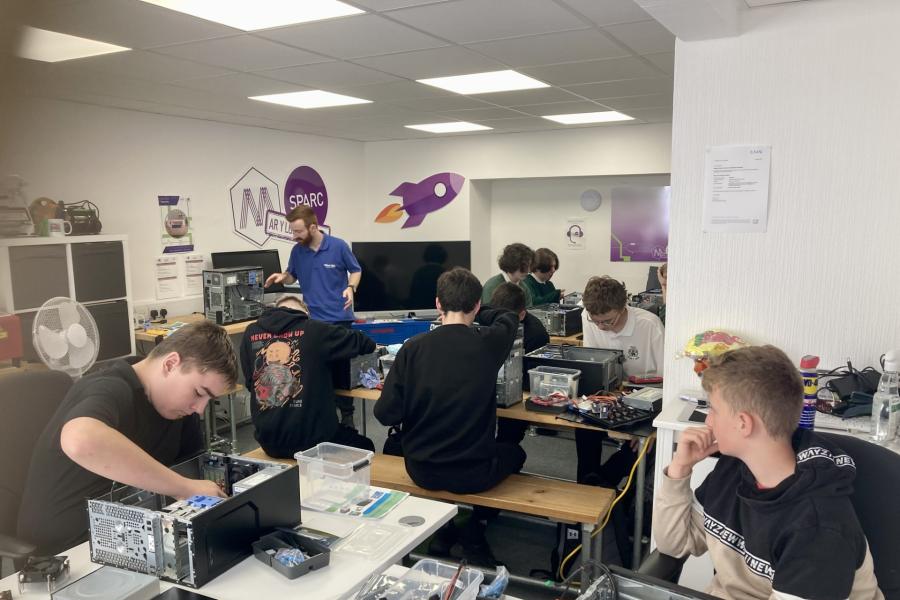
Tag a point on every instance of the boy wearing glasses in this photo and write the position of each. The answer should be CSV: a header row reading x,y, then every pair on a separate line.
x,y
609,323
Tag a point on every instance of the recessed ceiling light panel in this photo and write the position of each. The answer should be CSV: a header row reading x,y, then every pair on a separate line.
x,y
452,127
260,14
50,46
310,99
485,83
589,117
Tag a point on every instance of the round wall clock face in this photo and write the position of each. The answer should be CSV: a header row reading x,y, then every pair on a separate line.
x,y
176,223
591,200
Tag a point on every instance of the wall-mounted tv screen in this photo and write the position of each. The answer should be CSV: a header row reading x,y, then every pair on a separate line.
x,y
402,276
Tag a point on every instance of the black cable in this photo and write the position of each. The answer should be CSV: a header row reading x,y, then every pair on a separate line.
x,y
611,580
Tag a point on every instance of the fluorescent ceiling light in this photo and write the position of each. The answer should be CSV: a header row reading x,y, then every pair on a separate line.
x,y
589,117
451,127
260,14
310,99
50,46
485,83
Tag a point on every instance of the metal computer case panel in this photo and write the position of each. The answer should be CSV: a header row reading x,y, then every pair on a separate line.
x,y
560,320
140,531
233,294
601,369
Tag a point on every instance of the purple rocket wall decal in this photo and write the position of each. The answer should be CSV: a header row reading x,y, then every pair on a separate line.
x,y
421,199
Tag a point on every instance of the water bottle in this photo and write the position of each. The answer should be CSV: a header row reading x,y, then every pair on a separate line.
x,y
886,401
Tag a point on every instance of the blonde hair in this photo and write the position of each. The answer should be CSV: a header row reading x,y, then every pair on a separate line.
x,y
292,299
762,381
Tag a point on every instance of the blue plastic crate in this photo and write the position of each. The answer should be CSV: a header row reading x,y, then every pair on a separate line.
x,y
393,332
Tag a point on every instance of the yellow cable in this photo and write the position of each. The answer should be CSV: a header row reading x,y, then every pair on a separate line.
x,y
637,460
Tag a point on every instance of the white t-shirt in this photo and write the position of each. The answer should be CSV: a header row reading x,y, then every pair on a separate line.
x,y
641,340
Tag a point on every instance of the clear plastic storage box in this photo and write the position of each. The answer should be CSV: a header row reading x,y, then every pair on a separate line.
x,y
544,380
428,578
331,473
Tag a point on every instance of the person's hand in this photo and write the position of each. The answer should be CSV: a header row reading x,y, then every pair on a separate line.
x,y
348,297
275,278
562,293
202,487
694,445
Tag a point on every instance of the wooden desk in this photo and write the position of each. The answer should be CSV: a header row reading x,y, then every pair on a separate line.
x,y
572,340
231,328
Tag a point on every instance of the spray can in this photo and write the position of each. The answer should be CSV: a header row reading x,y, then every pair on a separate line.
x,y
810,377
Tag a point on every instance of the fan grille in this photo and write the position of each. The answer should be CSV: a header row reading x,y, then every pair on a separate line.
x,y
65,336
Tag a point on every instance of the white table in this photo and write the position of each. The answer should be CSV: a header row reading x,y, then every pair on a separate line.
x,y
252,579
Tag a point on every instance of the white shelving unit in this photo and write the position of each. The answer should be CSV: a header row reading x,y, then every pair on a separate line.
x,y
90,269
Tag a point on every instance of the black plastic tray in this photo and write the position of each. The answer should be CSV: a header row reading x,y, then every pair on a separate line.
x,y
319,554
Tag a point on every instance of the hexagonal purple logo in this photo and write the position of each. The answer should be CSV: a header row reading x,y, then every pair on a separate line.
x,y
252,196
305,186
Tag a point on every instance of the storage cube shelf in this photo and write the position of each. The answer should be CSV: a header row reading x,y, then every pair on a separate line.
x,y
90,269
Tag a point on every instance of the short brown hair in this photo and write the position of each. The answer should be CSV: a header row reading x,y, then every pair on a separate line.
x,y
458,290
304,212
544,260
292,298
516,257
762,381
509,296
203,346
603,294
663,270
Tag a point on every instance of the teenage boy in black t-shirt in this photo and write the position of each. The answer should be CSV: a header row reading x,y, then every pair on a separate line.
x,y
441,391
125,424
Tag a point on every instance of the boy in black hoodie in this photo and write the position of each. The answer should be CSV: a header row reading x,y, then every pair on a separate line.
x,y
441,390
285,357
775,513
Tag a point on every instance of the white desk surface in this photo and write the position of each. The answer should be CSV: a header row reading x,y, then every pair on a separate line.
x,y
252,579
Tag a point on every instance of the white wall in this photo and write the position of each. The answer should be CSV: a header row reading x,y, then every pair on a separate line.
x,y
611,150
122,160
535,212
817,81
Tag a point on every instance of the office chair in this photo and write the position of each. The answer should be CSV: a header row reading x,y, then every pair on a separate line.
x,y
877,482
27,401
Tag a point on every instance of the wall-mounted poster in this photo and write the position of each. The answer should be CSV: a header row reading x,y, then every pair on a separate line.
x,y
575,234
252,198
175,218
640,224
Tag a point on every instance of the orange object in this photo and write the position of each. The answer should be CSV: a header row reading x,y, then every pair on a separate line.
x,y
10,338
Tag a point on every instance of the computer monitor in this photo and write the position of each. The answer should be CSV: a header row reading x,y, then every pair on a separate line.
x,y
267,259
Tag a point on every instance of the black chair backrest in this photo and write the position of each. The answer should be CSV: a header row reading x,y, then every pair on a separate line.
x,y
27,401
876,489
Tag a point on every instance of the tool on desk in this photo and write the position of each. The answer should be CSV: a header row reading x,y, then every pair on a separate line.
x,y
452,587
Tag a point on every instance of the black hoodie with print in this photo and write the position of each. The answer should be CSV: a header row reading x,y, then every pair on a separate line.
x,y
286,359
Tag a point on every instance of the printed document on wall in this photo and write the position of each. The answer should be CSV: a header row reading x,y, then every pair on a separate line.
x,y
736,189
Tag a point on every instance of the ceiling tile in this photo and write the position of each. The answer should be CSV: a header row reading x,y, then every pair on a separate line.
x,y
240,84
437,62
630,102
456,102
561,108
469,21
477,114
624,87
140,64
607,12
394,90
551,48
382,5
664,60
353,37
242,53
129,23
644,37
520,124
652,115
592,71
328,74
522,97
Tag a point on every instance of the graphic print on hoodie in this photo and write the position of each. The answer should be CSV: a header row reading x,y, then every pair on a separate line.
x,y
276,373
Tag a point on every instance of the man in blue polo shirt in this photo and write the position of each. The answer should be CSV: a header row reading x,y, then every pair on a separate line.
x,y
328,274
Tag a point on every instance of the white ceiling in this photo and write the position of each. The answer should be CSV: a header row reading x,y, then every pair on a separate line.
x,y
596,54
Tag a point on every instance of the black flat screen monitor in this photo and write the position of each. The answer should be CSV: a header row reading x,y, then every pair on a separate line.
x,y
267,259
402,276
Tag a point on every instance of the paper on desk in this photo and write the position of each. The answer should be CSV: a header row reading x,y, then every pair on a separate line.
x,y
736,189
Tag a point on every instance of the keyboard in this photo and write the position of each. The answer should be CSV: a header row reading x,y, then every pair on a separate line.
x,y
618,416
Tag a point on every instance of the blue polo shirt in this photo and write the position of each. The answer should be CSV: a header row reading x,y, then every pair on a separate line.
x,y
323,277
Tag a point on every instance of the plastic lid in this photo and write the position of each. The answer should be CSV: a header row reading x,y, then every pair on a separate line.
x,y
892,361
809,362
